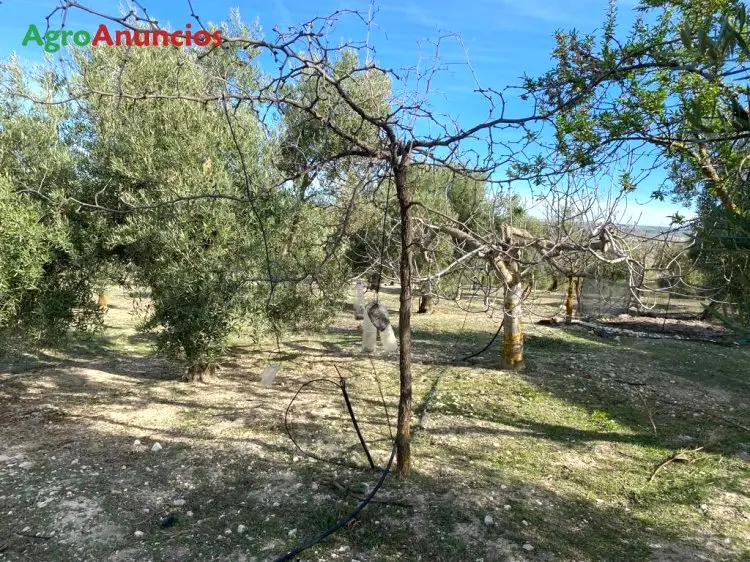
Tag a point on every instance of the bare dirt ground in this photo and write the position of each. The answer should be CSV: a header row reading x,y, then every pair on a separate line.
x,y
686,327
104,455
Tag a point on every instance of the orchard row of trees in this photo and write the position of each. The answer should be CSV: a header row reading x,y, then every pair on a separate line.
x,y
229,222
104,190
244,184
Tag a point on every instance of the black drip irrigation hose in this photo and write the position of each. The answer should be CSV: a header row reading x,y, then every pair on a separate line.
x,y
312,541
344,520
294,441
486,347
354,420
289,555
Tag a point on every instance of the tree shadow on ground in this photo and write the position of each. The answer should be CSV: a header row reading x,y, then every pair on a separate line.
x,y
613,370
99,351
248,476
89,491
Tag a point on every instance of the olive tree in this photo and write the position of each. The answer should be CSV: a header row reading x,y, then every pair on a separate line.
x,y
48,258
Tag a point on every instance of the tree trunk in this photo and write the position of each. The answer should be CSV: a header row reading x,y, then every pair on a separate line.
x,y
635,290
403,431
199,372
569,302
425,304
713,180
709,311
512,357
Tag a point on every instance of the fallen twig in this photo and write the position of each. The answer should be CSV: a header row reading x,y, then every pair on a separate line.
x,y
648,411
677,456
32,536
345,490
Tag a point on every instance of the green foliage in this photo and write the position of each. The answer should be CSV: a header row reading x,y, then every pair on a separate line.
x,y
602,420
181,198
662,93
443,194
221,250
321,132
722,251
25,247
668,95
46,266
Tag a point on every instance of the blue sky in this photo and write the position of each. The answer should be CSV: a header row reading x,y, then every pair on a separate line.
x,y
503,38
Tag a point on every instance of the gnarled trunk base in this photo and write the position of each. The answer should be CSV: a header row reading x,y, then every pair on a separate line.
x,y
512,358
200,372
426,305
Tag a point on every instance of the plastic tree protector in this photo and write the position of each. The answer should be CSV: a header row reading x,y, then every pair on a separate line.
x,y
369,335
269,374
388,338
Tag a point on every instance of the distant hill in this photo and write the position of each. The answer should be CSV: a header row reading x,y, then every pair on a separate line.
x,y
681,233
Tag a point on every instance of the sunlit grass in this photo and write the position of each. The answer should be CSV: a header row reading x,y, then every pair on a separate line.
x,y
560,456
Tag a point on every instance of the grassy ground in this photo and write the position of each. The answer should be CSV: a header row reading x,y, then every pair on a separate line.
x,y
555,463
